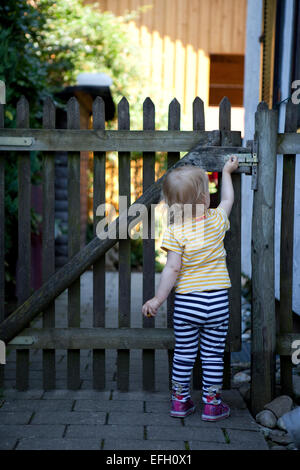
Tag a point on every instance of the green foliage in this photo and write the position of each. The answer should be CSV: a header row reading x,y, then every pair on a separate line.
x,y
44,46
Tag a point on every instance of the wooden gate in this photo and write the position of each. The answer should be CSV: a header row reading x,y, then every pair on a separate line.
x,y
208,149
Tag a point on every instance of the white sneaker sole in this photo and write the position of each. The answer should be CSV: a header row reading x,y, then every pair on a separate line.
x,y
215,418
182,414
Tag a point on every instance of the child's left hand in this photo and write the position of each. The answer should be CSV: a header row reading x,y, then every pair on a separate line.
x,y
150,307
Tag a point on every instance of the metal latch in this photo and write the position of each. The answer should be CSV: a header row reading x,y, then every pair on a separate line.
x,y
16,141
248,159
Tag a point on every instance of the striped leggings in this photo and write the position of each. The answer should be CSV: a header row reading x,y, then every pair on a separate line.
x,y
204,314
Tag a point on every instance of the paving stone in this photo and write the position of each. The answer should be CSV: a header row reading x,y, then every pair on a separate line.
x,y
105,431
37,405
251,439
232,422
7,443
139,395
128,444
28,394
157,406
77,394
206,434
15,417
69,417
233,398
200,445
108,405
143,418
19,431
59,444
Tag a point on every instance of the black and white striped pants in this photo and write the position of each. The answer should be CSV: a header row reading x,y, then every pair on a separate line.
x,y
204,315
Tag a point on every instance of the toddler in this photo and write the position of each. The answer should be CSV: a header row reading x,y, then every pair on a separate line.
x,y
196,267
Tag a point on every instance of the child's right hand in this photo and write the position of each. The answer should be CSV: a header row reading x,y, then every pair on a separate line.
x,y
150,308
231,164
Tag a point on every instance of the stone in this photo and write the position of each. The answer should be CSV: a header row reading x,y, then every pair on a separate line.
x,y
284,439
241,377
244,390
280,424
280,405
266,418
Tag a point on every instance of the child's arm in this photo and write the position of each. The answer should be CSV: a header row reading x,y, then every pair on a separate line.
x,y
167,281
227,193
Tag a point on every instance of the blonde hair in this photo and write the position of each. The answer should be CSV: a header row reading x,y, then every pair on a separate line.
x,y
185,185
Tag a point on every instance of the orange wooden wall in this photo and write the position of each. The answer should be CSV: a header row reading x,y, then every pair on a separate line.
x,y
177,37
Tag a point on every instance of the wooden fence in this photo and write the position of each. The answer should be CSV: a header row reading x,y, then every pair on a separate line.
x,y
208,149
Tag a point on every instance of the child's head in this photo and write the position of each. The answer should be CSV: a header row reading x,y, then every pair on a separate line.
x,y
186,185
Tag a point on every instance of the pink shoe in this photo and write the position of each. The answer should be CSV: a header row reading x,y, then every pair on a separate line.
x,y
213,412
181,409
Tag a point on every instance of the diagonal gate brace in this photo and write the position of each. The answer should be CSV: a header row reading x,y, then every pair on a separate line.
x,y
209,158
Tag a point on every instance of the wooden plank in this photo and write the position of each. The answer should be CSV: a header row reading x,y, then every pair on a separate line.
x,y
172,159
98,338
198,124
24,240
262,257
148,249
286,250
288,143
87,256
73,356
2,239
94,338
99,265
232,244
103,141
123,357
48,242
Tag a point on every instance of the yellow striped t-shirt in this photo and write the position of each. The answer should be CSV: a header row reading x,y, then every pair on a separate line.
x,y
200,242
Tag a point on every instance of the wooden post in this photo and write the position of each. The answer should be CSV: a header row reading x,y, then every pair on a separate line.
x,y
198,125
232,244
99,265
262,257
123,356
148,249
73,242
172,158
286,250
24,239
48,242
2,245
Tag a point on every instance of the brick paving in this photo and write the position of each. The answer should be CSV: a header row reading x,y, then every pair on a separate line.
x,y
86,419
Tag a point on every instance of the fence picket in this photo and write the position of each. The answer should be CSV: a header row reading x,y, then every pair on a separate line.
x,y
232,244
99,266
172,158
148,248
24,239
48,242
2,238
286,250
124,252
198,125
73,356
